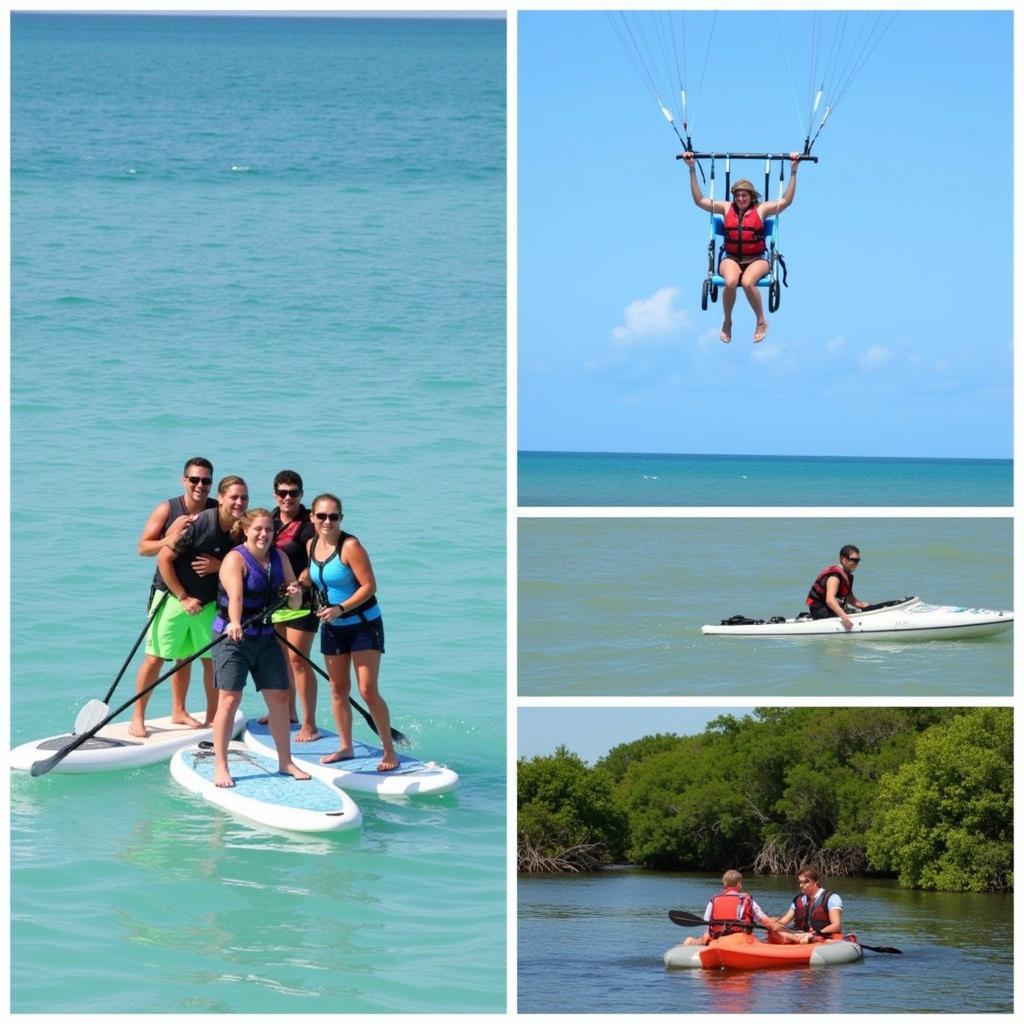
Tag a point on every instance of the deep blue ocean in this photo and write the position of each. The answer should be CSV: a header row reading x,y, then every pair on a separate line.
x,y
635,479
274,242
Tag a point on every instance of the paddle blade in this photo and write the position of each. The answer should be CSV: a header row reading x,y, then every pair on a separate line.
x,y
90,716
685,919
42,767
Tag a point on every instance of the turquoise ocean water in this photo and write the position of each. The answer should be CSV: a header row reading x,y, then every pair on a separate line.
x,y
605,478
614,607
273,242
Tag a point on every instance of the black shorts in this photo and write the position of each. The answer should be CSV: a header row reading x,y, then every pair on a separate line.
x,y
821,611
360,636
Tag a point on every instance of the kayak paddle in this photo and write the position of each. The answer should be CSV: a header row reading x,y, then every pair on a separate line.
x,y
96,710
688,920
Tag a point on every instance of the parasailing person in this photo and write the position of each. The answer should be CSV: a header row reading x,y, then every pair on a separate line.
x,y
744,255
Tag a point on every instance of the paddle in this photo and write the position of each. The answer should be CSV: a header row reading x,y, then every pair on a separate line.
x,y
399,737
96,710
688,920
42,767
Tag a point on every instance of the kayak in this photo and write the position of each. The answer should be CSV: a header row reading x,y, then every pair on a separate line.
x,y
908,618
263,795
113,748
741,951
410,778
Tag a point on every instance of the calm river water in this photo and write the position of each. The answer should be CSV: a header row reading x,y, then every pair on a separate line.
x,y
594,944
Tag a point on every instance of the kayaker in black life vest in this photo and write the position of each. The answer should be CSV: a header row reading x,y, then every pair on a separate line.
x,y
744,261
831,592
815,912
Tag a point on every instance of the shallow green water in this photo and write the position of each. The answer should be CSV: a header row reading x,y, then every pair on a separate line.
x,y
615,606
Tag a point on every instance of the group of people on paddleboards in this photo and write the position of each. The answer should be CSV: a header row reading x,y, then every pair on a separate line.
x,y
239,586
814,913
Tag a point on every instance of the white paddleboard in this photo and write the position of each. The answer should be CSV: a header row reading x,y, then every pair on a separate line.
x,y
113,748
410,778
907,619
264,796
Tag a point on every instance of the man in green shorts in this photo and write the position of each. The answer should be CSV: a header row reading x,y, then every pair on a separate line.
x,y
184,623
164,527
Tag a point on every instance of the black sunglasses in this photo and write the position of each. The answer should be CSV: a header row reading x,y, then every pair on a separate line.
x,y
288,492
330,516
200,480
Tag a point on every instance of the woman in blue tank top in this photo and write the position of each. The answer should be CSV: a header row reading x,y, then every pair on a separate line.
x,y
253,576
352,636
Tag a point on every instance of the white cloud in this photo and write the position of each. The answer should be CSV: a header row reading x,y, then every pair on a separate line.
x,y
765,353
875,357
652,318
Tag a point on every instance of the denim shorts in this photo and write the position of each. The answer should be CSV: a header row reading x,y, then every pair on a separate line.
x,y
360,636
259,656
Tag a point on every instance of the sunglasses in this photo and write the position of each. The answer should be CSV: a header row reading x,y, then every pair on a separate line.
x,y
205,480
332,517
288,492
850,558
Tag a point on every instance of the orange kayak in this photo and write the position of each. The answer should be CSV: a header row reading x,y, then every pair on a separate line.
x,y
747,952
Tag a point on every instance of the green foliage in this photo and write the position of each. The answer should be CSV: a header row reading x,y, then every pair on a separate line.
x,y
923,793
945,819
618,759
563,803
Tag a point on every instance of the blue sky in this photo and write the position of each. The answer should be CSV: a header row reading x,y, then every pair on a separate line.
x,y
592,732
894,336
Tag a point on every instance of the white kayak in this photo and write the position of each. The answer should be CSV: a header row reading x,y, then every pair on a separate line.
x,y
908,618
113,748
410,778
263,795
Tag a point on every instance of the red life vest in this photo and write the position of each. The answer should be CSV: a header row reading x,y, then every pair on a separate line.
x,y
744,235
731,905
817,591
818,917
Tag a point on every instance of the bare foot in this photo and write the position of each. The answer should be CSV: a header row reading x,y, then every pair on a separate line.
x,y
295,772
344,754
725,334
388,763
136,727
222,778
184,718
306,734
762,330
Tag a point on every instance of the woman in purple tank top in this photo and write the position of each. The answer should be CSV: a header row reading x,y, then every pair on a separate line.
x,y
253,576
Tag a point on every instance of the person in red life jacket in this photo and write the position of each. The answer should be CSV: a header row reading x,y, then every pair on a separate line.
x,y
744,261
815,912
293,530
831,592
731,910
